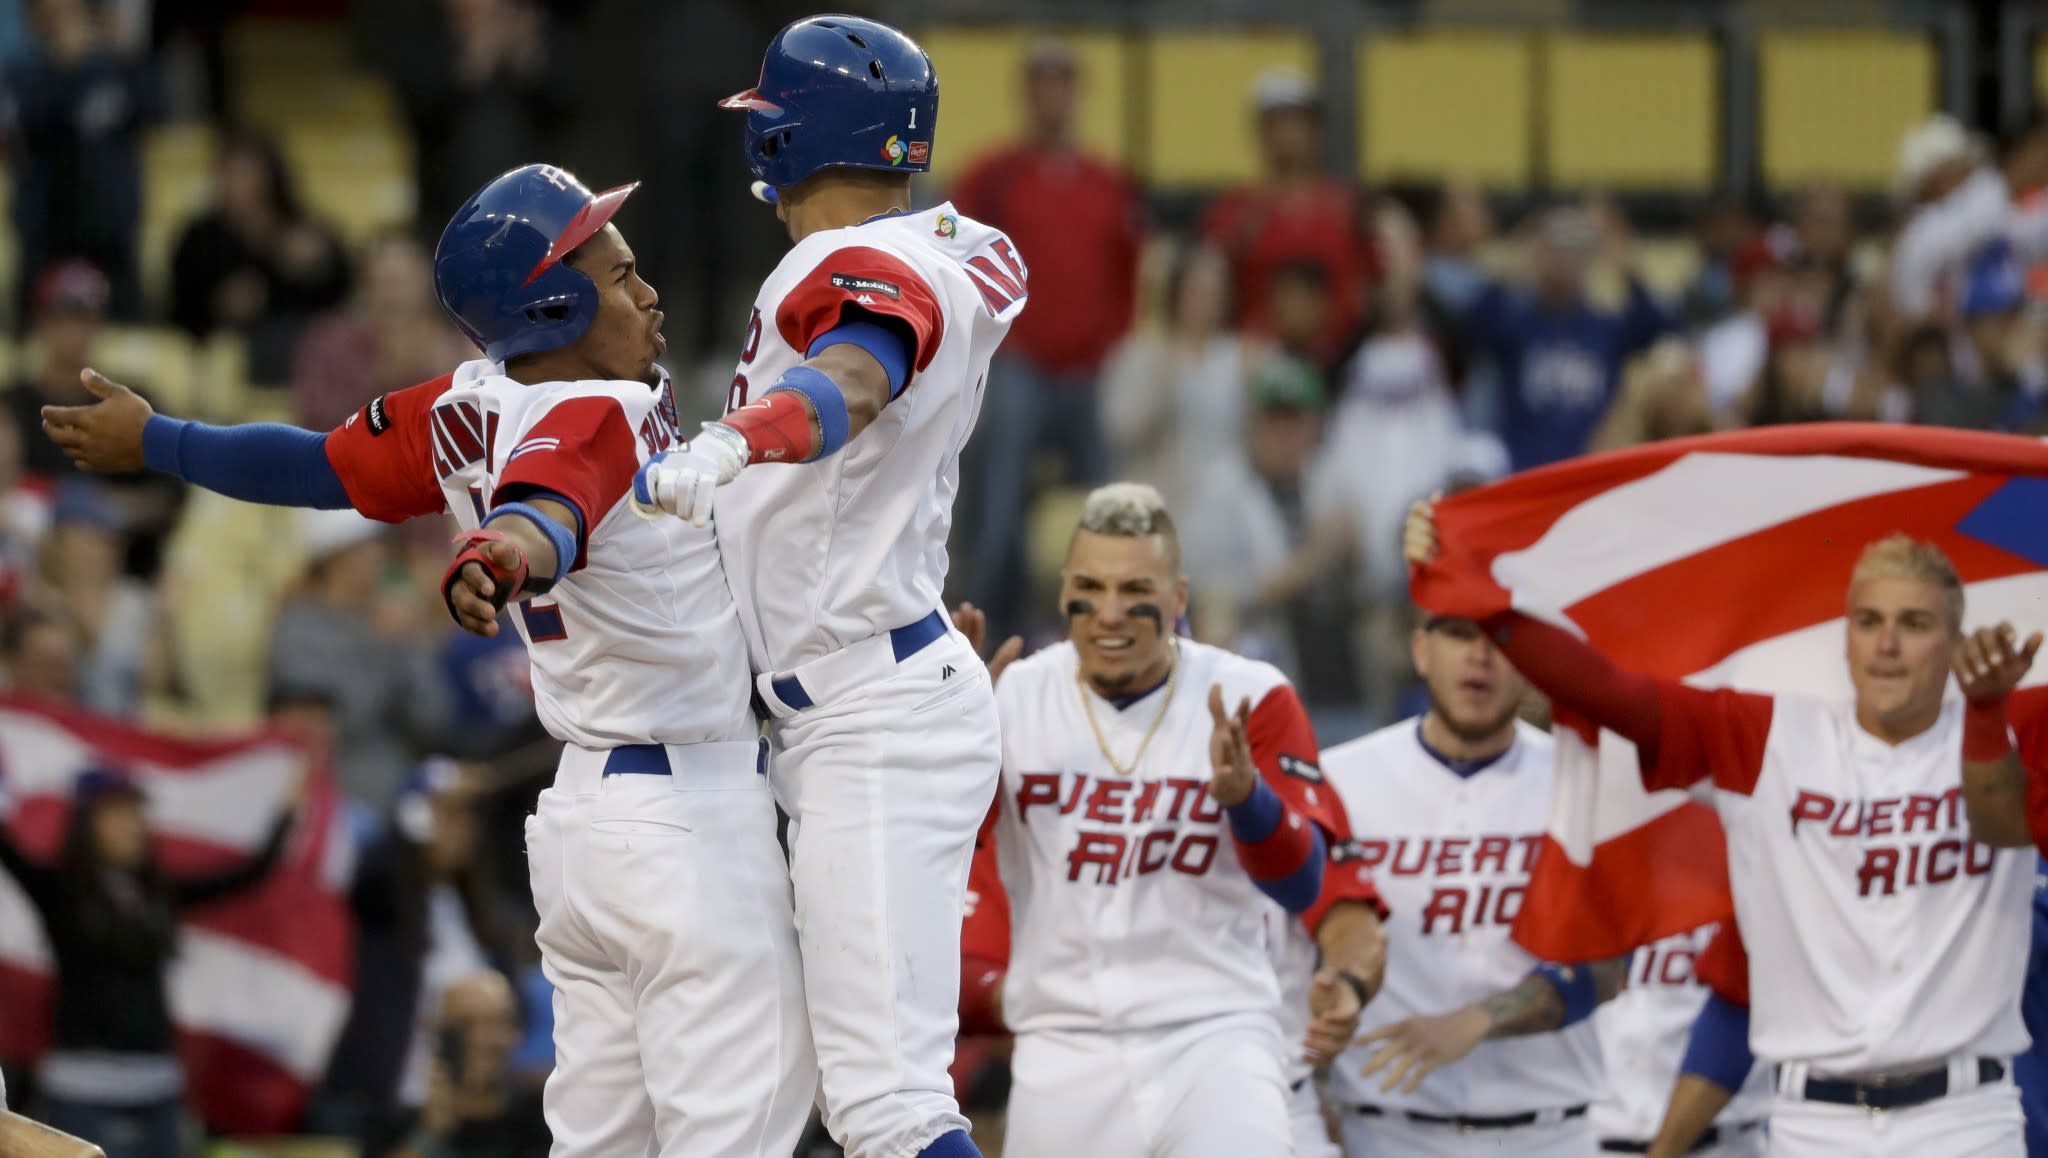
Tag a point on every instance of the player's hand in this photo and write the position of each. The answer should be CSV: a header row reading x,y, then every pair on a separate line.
x,y
974,625
474,598
1334,1010
1991,661
1418,535
105,435
1231,774
1411,1050
678,483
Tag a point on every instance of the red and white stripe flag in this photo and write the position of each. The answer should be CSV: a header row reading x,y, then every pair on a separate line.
x,y
260,985
1723,561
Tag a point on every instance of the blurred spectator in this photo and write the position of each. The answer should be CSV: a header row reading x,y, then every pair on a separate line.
x,y
1719,234
1295,214
41,652
118,618
424,921
340,635
1173,398
474,1107
1257,585
1823,224
1077,221
1794,387
203,25
1559,356
255,263
1733,349
2004,346
70,299
393,335
490,89
1460,225
24,519
1662,396
1960,206
111,916
73,114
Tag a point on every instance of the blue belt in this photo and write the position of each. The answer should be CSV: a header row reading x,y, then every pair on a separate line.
x,y
642,759
904,641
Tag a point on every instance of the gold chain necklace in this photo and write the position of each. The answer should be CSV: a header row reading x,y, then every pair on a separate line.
x,y
1088,709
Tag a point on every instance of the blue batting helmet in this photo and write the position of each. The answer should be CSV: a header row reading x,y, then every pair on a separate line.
x,y
839,91
498,269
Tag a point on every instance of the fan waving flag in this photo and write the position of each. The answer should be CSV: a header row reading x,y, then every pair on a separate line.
x,y
260,984
1722,561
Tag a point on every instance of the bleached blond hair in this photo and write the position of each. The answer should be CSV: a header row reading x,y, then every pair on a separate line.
x,y
1131,510
1900,556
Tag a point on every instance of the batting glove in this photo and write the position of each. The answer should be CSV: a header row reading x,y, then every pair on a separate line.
x,y
681,482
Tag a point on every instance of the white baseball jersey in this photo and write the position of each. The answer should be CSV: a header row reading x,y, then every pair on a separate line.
x,y
832,552
640,642
1128,904
1880,936
1452,856
1643,1033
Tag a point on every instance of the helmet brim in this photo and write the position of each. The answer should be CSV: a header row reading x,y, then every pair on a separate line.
x,y
581,228
750,101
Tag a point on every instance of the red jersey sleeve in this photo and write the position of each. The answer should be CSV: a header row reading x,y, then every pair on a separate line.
x,y
582,449
1285,753
384,455
1702,734
868,280
2027,713
1723,966
1345,876
984,937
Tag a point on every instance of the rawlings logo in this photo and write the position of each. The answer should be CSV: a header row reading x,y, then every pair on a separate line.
x,y
870,285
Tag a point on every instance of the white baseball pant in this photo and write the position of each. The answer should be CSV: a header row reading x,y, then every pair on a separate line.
x,y
1208,1089
1311,1129
886,776
1746,1140
1980,1122
666,930
1395,1135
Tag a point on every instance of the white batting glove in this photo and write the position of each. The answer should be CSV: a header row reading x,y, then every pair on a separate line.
x,y
681,482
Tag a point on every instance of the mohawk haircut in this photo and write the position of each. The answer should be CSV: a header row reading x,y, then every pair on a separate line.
x,y
1130,510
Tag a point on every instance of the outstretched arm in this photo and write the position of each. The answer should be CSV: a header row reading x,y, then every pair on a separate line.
x,y
1550,998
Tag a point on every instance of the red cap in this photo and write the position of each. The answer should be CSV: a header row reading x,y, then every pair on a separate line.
x,y
71,287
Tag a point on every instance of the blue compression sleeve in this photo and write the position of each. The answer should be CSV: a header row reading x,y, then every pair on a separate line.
x,y
1575,984
261,462
886,343
1718,1049
563,539
1256,820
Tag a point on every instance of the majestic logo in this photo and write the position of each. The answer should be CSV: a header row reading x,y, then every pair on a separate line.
x,y
946,672
949,226
895,150
867,285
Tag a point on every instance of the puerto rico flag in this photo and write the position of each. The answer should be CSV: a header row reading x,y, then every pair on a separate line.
x,y
261,982
1723,561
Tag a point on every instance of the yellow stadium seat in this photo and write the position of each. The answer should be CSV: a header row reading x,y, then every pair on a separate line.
x,y
981,72
1198,102
1446,103
1835,102
177,176
154,358
1630,111
2041,70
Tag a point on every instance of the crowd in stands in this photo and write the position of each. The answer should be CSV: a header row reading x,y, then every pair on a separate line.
x,y
1291,373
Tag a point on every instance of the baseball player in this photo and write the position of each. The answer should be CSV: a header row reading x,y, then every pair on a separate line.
x,y
1887,946
860,376
665,918
1159,799
1643,1037
1449,812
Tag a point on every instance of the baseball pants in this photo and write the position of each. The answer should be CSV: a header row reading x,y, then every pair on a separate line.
x,y
1208,1089
1984,1122
1311,1129
666,930
1394,1135
1746,1140
886,775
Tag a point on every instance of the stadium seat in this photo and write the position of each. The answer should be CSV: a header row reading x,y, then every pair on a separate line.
x,y
1629,111
1835,102
982,70
177,174
1445,103
1198,102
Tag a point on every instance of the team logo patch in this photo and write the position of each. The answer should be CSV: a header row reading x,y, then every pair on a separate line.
x,y
920,152
1301,769
949,226
895,150
374,414
867,285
